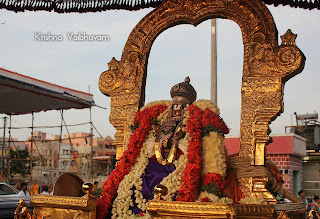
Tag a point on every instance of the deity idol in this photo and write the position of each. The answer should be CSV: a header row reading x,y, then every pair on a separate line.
x,y
178,144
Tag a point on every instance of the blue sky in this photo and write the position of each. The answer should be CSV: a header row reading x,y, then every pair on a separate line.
x,y
178,52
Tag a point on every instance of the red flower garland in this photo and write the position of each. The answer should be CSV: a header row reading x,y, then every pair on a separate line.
x,y
214,178
129,157
191,175
206,199
198,119
214,120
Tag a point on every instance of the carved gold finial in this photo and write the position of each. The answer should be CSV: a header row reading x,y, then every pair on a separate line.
x,y
22,211
113,64
283,215
160,190
288,38
87,188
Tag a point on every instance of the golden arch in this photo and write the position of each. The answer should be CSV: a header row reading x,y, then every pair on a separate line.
x,y
266,68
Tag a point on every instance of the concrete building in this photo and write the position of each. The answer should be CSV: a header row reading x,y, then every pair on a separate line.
x,y
308,126
105,160
77,152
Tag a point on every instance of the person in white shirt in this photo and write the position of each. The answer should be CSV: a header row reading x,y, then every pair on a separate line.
x,y
24,192
45,191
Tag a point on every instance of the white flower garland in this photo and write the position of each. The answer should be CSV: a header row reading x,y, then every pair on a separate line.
x,y
158,102
213,154
173,180
122,203
214,198
207,104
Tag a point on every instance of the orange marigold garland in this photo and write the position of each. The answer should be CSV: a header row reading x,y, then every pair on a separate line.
x,y
143,119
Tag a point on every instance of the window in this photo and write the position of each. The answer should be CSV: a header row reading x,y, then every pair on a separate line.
x,y
6,190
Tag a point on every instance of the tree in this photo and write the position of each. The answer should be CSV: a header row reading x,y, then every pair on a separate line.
x,y
19,163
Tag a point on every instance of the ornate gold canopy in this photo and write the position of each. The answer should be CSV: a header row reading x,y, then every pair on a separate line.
x,y
266,68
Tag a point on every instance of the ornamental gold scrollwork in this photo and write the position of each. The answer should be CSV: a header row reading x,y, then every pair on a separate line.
x,y
128,75
47,206
165,209
266,68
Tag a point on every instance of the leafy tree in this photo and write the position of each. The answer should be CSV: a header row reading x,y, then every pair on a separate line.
x,y
19,163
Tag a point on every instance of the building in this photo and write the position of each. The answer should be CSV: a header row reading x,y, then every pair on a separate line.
x,y
79,153
286,151
308,126
105,160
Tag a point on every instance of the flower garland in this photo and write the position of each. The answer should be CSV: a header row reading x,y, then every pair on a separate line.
x,y
213,155
123,201
191,175
201,119
207,197
203,122
173,180
207,104
144,119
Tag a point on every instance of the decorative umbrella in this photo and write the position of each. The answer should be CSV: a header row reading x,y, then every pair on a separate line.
x,y
83,6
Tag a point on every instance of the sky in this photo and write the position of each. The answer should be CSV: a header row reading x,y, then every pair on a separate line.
x,y
178,52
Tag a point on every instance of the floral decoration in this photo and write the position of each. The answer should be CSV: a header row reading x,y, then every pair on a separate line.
x,y
192,169
208,197
129,157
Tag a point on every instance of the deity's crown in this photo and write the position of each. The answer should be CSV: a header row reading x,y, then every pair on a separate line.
x,y
184,89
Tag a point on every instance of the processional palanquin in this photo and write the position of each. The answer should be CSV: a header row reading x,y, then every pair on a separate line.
x,y
267,66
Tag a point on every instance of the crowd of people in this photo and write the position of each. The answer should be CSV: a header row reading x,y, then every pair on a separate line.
x,y
26,190
313,207
47,189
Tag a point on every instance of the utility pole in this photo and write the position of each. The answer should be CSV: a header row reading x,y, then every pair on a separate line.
x,y
59,147
214,89
9,153
31,147
3,141
91,145
91,141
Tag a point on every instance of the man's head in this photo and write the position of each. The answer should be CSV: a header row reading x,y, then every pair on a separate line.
x,y
96,183
45,188
24,186
35,181
302,193
316,199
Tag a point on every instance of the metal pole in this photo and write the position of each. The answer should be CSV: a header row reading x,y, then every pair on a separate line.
x,y
3,141
60,139
31,147
91,143
9,176
214,61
